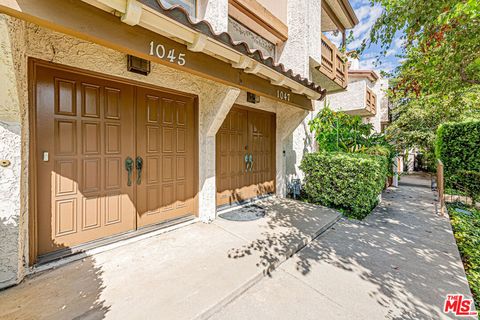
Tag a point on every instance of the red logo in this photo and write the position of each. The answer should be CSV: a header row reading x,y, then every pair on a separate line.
x,y
459,305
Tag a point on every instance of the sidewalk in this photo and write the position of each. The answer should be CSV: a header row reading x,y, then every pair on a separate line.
x,y
188,273
399,263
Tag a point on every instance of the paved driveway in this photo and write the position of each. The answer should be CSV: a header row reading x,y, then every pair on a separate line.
x,y
186,273
397,264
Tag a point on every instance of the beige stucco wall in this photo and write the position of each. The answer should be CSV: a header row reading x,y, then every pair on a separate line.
x,y
13,146
215,12
351,99
304,43
20,40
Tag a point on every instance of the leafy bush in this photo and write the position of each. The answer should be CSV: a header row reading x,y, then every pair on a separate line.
x,y
466,228
350,182
458,146
469,182
338,131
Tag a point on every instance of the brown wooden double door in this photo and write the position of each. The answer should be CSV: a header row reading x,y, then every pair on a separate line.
x,y
111,157
245,156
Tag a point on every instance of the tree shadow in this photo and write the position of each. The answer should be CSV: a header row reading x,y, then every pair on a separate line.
x,y
73,291
403,249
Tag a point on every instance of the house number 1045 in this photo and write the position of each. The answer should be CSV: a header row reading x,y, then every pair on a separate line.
x,y
161,52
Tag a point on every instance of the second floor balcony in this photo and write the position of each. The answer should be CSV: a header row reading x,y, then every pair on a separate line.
x,y
334,66
358,100
371,102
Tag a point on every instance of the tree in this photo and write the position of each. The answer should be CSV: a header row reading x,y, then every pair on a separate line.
x,y
439,77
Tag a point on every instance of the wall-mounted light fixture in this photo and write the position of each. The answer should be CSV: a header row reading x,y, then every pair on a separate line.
x,y
138,65
253,98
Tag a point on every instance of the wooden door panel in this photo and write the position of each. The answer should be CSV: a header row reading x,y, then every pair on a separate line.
x,y
166,142
84,124
245,131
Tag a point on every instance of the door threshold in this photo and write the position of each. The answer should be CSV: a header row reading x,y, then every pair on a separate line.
x,y
64,256
239,204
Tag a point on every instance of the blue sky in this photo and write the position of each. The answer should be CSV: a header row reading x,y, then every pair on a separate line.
x,y
367,15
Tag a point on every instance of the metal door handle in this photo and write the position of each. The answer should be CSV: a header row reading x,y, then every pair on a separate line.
x,y
246,162
250,159
129,168
139,166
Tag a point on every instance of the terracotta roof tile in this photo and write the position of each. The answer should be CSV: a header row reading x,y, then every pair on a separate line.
x,y
180,15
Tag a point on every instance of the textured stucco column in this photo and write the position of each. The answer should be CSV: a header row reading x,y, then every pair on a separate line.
x,y
304,42
289,146
304,36
210,121
12,204
215,12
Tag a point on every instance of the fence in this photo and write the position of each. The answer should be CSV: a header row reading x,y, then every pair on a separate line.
x,y
443,198
441,187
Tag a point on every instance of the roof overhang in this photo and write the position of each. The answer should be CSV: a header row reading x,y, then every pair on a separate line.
x,y
364,74
216,57
338,15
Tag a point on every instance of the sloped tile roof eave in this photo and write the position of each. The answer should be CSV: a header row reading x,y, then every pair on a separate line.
x,y
180,15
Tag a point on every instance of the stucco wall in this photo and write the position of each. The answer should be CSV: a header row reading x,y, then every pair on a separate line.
x,y
351,99
304,42
13,195
18,38
215,12
304,36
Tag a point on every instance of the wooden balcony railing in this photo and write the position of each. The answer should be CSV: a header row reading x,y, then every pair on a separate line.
x,y
371,102
334,65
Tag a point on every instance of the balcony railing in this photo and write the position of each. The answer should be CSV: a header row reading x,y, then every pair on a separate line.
x,y
371,102
334,65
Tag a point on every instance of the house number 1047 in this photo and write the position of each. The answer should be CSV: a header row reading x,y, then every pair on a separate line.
x,y
282,95
161,52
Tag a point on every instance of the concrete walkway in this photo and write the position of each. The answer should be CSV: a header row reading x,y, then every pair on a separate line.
x,y
397,264
191,272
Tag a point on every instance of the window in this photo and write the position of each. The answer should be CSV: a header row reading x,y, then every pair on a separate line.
x,y
189,5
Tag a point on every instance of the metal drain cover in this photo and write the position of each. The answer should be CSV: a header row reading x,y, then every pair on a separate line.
x,y
248,213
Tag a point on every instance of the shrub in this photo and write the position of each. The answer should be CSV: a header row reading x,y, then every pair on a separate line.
x,y
466,228
338,131
467,181
458,146
350,182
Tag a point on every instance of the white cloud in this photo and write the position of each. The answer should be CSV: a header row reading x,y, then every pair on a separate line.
x,y
367,16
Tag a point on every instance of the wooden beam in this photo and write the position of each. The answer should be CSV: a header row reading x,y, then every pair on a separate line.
x,y
86,22
252,10
329,11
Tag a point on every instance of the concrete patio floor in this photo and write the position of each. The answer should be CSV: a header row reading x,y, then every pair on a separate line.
x,y
191,272
399,263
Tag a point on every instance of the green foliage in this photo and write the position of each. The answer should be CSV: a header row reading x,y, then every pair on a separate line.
x,y
439,77
458,146
466,228
350,182
338,131
469,182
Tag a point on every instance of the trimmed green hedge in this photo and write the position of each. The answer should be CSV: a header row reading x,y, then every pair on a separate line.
x,y
466,228
350,182
458,146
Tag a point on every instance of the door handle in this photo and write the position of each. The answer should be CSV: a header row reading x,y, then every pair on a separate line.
x,y
246,162
129,168
250,159
139,167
